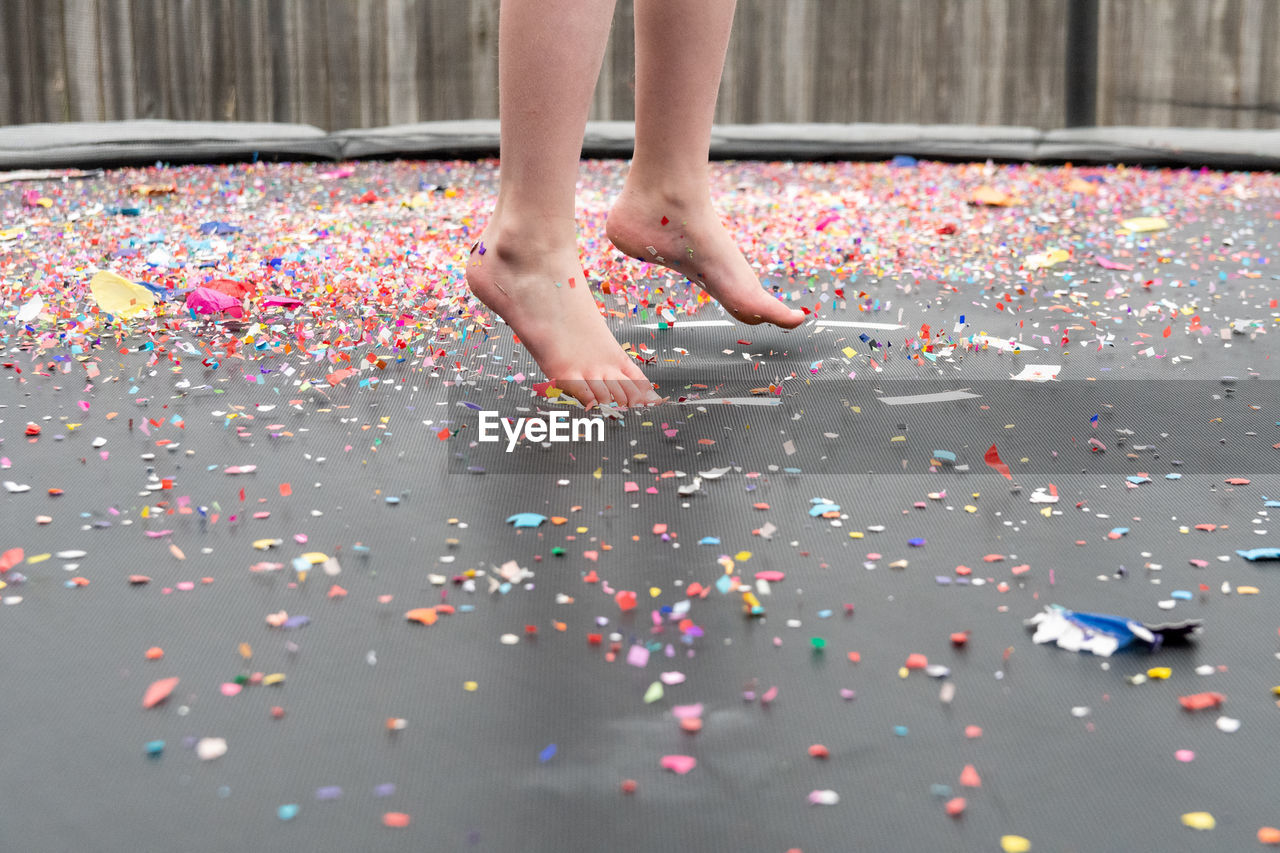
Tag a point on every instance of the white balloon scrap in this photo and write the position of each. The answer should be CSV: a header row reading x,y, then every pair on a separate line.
x,y
210,748
824,797
1052,626
31,310
1230,725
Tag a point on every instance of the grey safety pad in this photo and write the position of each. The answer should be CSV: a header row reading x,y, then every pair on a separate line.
x,y
116,143
134,142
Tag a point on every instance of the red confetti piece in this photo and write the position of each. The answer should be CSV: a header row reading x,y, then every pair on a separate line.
x,y
992,458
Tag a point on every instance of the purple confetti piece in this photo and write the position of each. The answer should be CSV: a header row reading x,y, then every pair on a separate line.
x,y
331,792
384,790
297,621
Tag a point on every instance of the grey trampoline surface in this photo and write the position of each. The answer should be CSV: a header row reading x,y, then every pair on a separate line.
x,y
835,477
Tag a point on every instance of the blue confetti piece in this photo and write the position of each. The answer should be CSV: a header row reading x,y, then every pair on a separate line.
x,y
944,456
1181,595
1136,480
526,519
1261,554
288,812
724,583
547,754
155,747
818,509
1173,476
824,614
900,731
1120,531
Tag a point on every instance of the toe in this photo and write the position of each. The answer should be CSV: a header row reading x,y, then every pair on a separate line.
x,y
603,394
579,390
622,390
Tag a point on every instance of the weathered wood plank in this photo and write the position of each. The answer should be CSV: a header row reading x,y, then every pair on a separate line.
x,y
402,61
115,59
359,63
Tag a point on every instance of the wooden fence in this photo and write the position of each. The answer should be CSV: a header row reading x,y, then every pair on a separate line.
x,y
363,63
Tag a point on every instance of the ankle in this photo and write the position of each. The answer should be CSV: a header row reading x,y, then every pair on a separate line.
x,y
674,192
516,230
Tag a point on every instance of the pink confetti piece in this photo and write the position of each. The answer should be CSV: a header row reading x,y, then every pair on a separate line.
x,y
679,764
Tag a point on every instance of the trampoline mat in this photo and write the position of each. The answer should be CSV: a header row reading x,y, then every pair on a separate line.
x,y
295,484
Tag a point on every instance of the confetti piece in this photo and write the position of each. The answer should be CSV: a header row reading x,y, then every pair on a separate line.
x,y
678,764
158,692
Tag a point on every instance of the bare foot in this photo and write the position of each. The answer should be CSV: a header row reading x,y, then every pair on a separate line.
x,y
543,295
686,235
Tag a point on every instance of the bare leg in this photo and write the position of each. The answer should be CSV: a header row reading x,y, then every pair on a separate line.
x,y
525,267
664,214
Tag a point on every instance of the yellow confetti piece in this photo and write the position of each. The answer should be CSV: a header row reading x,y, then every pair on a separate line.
x,y
856,534
315,558
903,672
1044,260
850,352
146,512
1159,672
470,686
264,544
970,508
598,473
1014,844
38,558
750,599
1140,224
1199,820
1047,511
898,438
1247,590
654,592
273,678
117,295
742,556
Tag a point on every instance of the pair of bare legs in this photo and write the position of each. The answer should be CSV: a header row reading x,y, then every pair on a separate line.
x,y
525,267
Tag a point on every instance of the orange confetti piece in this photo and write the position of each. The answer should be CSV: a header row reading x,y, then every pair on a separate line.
x,y
285,490
336,591
396,820
10,559
155,653
176,551
425,615
969,777
992,197
158,692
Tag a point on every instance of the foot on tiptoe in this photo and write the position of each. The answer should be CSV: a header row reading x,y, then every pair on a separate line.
x,y
683,233
541,292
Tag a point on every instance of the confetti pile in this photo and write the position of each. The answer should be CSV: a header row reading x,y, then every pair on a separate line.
x,y
975,559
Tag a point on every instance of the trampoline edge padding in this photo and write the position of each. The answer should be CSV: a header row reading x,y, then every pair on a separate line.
x,y
105,144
